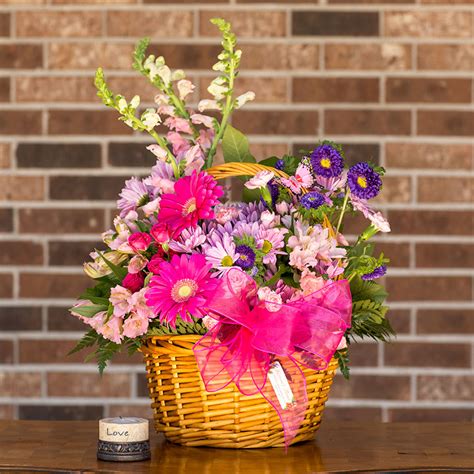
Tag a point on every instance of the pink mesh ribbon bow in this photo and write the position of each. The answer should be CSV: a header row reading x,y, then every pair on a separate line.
x,y
251,338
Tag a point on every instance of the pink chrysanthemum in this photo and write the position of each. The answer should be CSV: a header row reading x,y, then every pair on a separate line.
x,y
193,199
181,288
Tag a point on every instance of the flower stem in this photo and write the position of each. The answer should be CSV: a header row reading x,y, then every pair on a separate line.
x,y
343,210
225,116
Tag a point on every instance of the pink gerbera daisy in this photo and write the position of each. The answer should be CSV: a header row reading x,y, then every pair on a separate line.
x,y
181,288
193,199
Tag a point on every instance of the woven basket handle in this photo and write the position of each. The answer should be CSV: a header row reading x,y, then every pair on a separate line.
x,y
229,170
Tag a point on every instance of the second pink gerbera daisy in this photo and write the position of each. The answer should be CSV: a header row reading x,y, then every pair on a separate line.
x,y
181,288
193,199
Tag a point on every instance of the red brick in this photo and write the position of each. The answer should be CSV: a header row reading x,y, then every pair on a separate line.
x,y
363,355
399,254
426,354
447,387
423,24
384,387
21,188
429,90
6,220
20,318
94,2
432,255
352,414
445,321
428,155
6,351
20,384
437,415
367,122
86,122
21,56
445,189
5,160
424,288
4,24
55,89
7,412
60,412
246,23
61,221
399,320
172,24
86,187
58,155
6,285
269,122
71,252
21,253
367,56
396,189
58,23
53,285
20,122
49,351
431,222
449,57
334,89
335,23
89,55
445,122
65,384
4,89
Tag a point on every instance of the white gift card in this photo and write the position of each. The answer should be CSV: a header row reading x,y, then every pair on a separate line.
x,y
280,385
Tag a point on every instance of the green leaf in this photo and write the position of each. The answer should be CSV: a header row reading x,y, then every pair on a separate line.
x,y
119,272
88,340
89,311
182,327
269,161
250,195
368,320
367,290
235,146
342,358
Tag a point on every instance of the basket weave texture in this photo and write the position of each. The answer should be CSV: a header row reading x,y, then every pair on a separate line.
x,y
189,415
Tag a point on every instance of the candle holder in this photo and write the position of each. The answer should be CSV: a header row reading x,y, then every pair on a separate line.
x,y
123,439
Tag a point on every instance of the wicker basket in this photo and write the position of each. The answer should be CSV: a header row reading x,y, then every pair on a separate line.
x,y
189,415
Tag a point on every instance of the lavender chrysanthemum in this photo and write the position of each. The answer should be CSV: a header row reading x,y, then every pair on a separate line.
x,y
246,257
377,273
132,196
364,182
326,161
312,200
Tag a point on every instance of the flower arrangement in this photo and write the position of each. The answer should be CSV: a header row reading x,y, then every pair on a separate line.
x,y
181,257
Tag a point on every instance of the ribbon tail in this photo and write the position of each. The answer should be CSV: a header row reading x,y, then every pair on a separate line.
x,y
290,405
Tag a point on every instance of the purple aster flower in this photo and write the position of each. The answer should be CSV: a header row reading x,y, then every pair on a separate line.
x,y
326,161
312,200
377,273
133,195
280,165
364,182
246,257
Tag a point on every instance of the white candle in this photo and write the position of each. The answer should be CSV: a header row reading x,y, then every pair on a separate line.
x,y
123,430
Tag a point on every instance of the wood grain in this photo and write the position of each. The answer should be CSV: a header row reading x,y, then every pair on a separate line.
x,y
57,446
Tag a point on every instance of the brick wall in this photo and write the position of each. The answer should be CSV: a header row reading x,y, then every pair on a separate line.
x,y
391,79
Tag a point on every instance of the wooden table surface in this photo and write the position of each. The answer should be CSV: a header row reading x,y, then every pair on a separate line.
x,y
60,446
